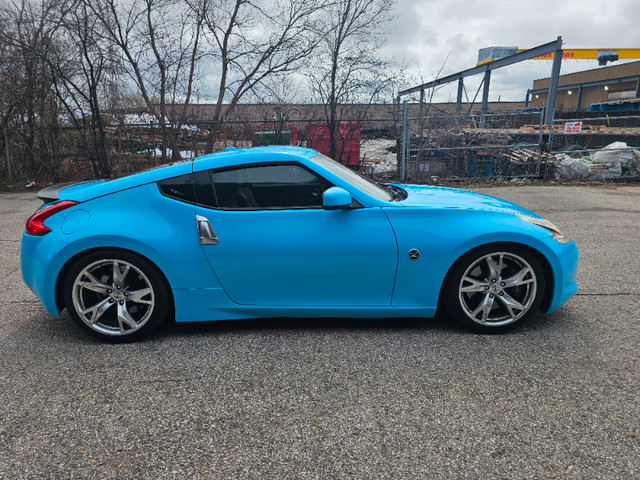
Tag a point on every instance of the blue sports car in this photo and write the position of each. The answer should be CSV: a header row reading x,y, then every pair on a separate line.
x,y
286,232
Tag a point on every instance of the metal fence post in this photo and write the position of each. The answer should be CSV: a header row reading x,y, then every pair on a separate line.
x,y
550,117
459,101
420,114
405,143
540,138
485,99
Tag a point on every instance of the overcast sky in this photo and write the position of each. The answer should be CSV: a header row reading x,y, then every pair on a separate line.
x,y
427,31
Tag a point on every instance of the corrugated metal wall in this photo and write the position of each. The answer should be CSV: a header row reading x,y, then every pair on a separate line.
x,y
595,75
597,94
569,101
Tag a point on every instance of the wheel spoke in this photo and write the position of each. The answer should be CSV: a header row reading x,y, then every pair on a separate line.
x,y
513,306
119,275
94,284
484,308
138,296
474,285
519,278
495,268
96,311
124,317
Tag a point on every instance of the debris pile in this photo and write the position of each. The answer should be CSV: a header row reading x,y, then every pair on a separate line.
x,y
613,161
378,156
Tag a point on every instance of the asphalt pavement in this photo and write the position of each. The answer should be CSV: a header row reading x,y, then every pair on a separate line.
x,y
338,399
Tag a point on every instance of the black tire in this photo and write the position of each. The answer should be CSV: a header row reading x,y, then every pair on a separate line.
x,y
494,288
116,295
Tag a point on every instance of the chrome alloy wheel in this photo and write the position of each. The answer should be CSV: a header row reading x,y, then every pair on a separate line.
x,y
113,297
497,289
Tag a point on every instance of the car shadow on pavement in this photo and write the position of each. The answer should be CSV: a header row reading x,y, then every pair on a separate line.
x,y
441,324
170,328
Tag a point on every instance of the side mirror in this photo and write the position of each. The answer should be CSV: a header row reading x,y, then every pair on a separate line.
x,y
335,198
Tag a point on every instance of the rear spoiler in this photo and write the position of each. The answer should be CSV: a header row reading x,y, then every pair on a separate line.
x,y
52,193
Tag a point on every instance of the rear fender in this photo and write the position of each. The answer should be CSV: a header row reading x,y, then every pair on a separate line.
x,y
145,222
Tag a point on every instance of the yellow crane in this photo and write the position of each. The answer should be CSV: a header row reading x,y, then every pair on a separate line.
x,y
603,55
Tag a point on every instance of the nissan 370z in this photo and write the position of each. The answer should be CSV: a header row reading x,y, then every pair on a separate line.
x,y
287,232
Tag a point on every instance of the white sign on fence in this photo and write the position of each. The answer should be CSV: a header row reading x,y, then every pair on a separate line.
x,y
573,127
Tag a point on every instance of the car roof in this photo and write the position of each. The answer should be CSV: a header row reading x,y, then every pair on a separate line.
x,y
229,157
240,156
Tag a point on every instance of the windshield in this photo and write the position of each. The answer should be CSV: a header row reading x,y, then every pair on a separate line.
x,y
354,178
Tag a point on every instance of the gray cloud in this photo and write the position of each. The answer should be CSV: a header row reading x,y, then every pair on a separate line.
x,y
426,31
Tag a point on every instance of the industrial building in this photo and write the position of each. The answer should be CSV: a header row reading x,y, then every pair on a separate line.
x,y
613,88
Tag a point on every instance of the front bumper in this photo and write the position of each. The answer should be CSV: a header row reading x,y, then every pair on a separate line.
x,y
564,264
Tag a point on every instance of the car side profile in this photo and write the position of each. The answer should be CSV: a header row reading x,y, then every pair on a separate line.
x,y
286,232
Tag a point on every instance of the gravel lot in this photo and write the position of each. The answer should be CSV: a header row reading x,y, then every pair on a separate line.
x,y
279,399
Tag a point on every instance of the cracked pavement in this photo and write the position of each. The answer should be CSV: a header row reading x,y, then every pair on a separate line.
x,y
338,398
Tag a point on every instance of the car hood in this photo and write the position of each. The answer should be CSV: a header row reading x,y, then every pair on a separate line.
x,y
443,197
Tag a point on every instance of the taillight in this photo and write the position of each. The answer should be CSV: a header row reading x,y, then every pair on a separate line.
x,y
35,224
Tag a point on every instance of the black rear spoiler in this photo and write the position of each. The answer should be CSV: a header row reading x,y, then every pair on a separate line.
x,y
52,193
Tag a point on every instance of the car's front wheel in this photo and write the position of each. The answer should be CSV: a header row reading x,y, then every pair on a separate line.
x,y
116,295
495,288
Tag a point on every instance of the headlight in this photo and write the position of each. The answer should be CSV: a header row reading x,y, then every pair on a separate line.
x,y
558,234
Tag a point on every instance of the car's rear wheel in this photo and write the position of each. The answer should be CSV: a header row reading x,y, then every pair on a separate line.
x,y
116,295
495,288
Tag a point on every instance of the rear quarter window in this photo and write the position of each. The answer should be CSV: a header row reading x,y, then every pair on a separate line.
x,y
179,188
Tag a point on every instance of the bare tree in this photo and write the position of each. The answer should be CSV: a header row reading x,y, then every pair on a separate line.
x,y
29,38
66,56
250,42
159,43
9,91
348,66
83,71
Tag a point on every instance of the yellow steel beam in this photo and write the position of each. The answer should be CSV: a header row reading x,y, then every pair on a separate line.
x,y
488,60
584,54
592,53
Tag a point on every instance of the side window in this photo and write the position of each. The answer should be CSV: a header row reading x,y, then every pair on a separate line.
x,y
281,186
179,188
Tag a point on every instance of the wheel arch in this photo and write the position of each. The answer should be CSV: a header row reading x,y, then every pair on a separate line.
x,y
64,271
544,262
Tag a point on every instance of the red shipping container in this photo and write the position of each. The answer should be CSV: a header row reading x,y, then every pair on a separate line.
x,y
348,143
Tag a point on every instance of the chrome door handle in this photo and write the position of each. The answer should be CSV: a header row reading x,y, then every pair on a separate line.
x,y
205,232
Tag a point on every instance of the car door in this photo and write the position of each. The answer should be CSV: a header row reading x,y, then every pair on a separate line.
x,y
276,245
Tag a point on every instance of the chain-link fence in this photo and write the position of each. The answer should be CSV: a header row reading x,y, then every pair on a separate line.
x,y
71,153
420,149
491,145
599,147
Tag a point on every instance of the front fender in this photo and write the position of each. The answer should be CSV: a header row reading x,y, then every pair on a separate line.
x,y
442,236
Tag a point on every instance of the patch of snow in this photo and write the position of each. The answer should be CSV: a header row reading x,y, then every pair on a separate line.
x,y
379,154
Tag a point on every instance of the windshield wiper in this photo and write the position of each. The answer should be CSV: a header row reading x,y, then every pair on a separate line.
x,y
397,193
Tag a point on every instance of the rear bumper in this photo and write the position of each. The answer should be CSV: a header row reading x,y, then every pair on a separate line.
x,y
42,259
